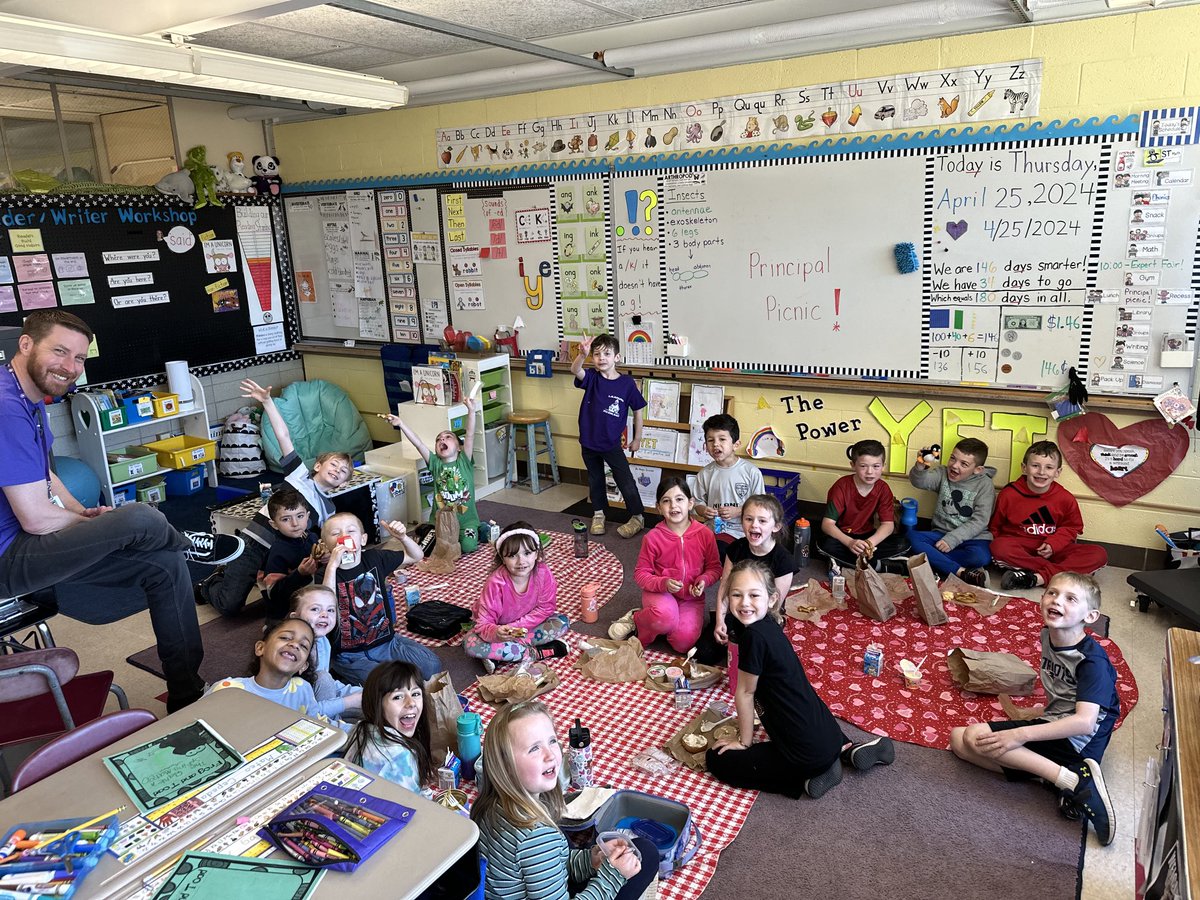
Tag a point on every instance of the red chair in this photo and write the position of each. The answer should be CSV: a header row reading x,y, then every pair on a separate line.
x,y
75,745
43,695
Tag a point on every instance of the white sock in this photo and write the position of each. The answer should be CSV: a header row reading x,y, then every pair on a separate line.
x,y
1066,780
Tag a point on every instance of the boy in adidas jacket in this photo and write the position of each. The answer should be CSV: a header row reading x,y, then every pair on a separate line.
x,y
1037,523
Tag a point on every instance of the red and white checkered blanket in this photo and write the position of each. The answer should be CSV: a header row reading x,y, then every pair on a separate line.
x,y
624,720
463,586
832,653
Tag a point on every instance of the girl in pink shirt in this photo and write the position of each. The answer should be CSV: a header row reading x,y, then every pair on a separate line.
x,y
515,617
677,564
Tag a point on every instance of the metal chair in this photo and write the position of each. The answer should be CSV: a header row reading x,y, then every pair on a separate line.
x,y
42,695
75,745
28,611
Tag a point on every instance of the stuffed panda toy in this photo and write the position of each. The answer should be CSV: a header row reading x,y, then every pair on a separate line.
x,y
266,178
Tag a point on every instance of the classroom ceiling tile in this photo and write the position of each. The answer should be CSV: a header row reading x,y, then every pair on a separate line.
x,y
356,58
640,9
254,37
352,28
529,20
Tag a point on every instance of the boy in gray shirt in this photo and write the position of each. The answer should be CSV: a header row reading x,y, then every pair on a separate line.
x,y
724,484
960,543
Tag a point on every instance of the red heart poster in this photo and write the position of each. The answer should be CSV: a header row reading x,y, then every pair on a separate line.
x,y
1121,464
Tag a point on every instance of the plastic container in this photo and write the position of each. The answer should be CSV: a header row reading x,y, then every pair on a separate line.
x,y
130,462
125,494
79,863
185,482
139,407
152,491
112,418
908,512
182,451
633,806
165,404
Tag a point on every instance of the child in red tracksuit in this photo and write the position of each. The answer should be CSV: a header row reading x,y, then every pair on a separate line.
x,y
1036,524
677,564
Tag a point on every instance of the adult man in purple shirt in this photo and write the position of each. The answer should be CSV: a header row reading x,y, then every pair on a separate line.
x,y
48,538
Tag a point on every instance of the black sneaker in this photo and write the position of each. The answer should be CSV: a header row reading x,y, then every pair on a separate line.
x,y
212,549
1014,579
551,650
879,751
974,577
1067,808
1092,800
819,785
200,588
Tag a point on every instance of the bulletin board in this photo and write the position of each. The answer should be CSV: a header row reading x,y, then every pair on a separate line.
x,y
154,279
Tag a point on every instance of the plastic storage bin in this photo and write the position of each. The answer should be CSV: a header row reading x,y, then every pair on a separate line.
x,y
165,404
130,462
184,482
492,378
79,862
183,451
125,494
494,413
112,418
139,407
152,491
496,447
784,487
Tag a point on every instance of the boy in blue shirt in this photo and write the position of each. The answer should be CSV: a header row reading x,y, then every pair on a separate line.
x,y
1063,745
291,562
608,396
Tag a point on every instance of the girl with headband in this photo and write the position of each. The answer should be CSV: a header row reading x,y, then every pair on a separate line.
x,y
516,617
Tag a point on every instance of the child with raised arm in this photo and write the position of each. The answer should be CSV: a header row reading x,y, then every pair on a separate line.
x,y
518,811
453,474
958,543
1037,523
516,616
226,589
806,746
723,485
291,562
860,511
608,396
366,623
393,737
280,658
677,563
1065,744
317,605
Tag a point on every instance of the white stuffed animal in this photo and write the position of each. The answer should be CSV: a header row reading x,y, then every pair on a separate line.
x,y
236,179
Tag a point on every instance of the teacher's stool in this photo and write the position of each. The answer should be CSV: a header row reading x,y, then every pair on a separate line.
x,y
531,420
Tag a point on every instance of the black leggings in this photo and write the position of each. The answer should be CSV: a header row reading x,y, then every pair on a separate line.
x,y
635,886
619,463
762,767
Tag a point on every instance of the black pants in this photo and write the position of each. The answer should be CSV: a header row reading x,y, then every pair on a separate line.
x,y
635,886
619,463
762,767
892,545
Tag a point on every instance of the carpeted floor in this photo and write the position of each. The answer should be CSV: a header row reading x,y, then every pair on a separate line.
x,y
927,826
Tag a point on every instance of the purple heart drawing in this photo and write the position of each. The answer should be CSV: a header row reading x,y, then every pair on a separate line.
x,y
956,229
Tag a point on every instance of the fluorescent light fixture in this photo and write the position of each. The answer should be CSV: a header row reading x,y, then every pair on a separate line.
x,y
38,44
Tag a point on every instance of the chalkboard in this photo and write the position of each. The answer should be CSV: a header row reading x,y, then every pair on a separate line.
x,y
155,279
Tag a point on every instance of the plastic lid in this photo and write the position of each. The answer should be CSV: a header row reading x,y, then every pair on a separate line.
x,y
802,522
662,836
579,736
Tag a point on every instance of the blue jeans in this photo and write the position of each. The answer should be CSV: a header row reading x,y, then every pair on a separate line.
x,y
355,667
132,547
619,463
967,555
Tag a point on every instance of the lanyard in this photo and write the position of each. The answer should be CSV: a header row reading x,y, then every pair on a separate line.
x,y
39,423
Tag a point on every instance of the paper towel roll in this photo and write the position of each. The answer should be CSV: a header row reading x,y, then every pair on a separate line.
x,y
178,380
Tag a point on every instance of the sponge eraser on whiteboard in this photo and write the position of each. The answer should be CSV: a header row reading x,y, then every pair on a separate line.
x,y
906,258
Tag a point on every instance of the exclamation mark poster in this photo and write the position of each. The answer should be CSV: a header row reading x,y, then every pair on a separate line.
x,y
256,244
637,273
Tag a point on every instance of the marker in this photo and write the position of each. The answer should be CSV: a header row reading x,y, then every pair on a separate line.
x,y
874,378
88,824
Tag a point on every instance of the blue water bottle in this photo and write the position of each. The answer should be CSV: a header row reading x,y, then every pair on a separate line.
x,y
470,731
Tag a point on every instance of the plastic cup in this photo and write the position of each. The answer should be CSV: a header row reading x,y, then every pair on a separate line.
x,y
912,675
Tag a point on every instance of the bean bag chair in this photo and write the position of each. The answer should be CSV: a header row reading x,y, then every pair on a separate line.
x,y
321,419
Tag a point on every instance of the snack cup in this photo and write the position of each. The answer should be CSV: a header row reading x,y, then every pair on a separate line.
x,y
912,675
604,838
673,672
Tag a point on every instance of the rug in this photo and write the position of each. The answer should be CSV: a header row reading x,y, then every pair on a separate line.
x,y
465,584
627,718
832,652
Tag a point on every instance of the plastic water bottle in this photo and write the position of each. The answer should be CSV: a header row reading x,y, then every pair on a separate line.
x,y
579,760
718,525
470,731
803,538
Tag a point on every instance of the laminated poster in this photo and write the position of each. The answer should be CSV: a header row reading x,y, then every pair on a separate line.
x,y
204,876
157,772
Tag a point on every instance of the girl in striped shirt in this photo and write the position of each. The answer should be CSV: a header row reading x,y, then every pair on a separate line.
x,y
518,811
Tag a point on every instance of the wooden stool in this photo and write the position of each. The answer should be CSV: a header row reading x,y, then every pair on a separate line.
x,y
530,419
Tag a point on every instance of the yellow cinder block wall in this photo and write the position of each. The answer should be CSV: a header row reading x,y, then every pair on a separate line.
x,y
1112,66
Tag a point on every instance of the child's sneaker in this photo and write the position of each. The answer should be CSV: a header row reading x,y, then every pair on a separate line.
x,y
632,527
819,785
879,751
974,577
1014,579
622,628
212,549
551,650
489,666
598,523
1091,798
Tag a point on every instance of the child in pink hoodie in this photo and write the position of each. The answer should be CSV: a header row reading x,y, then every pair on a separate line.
x,y
677,563
515,617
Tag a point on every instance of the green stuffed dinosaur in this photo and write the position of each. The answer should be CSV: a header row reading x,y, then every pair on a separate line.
x,y
202,177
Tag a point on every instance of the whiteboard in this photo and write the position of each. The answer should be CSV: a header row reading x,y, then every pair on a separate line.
x,y
791,267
